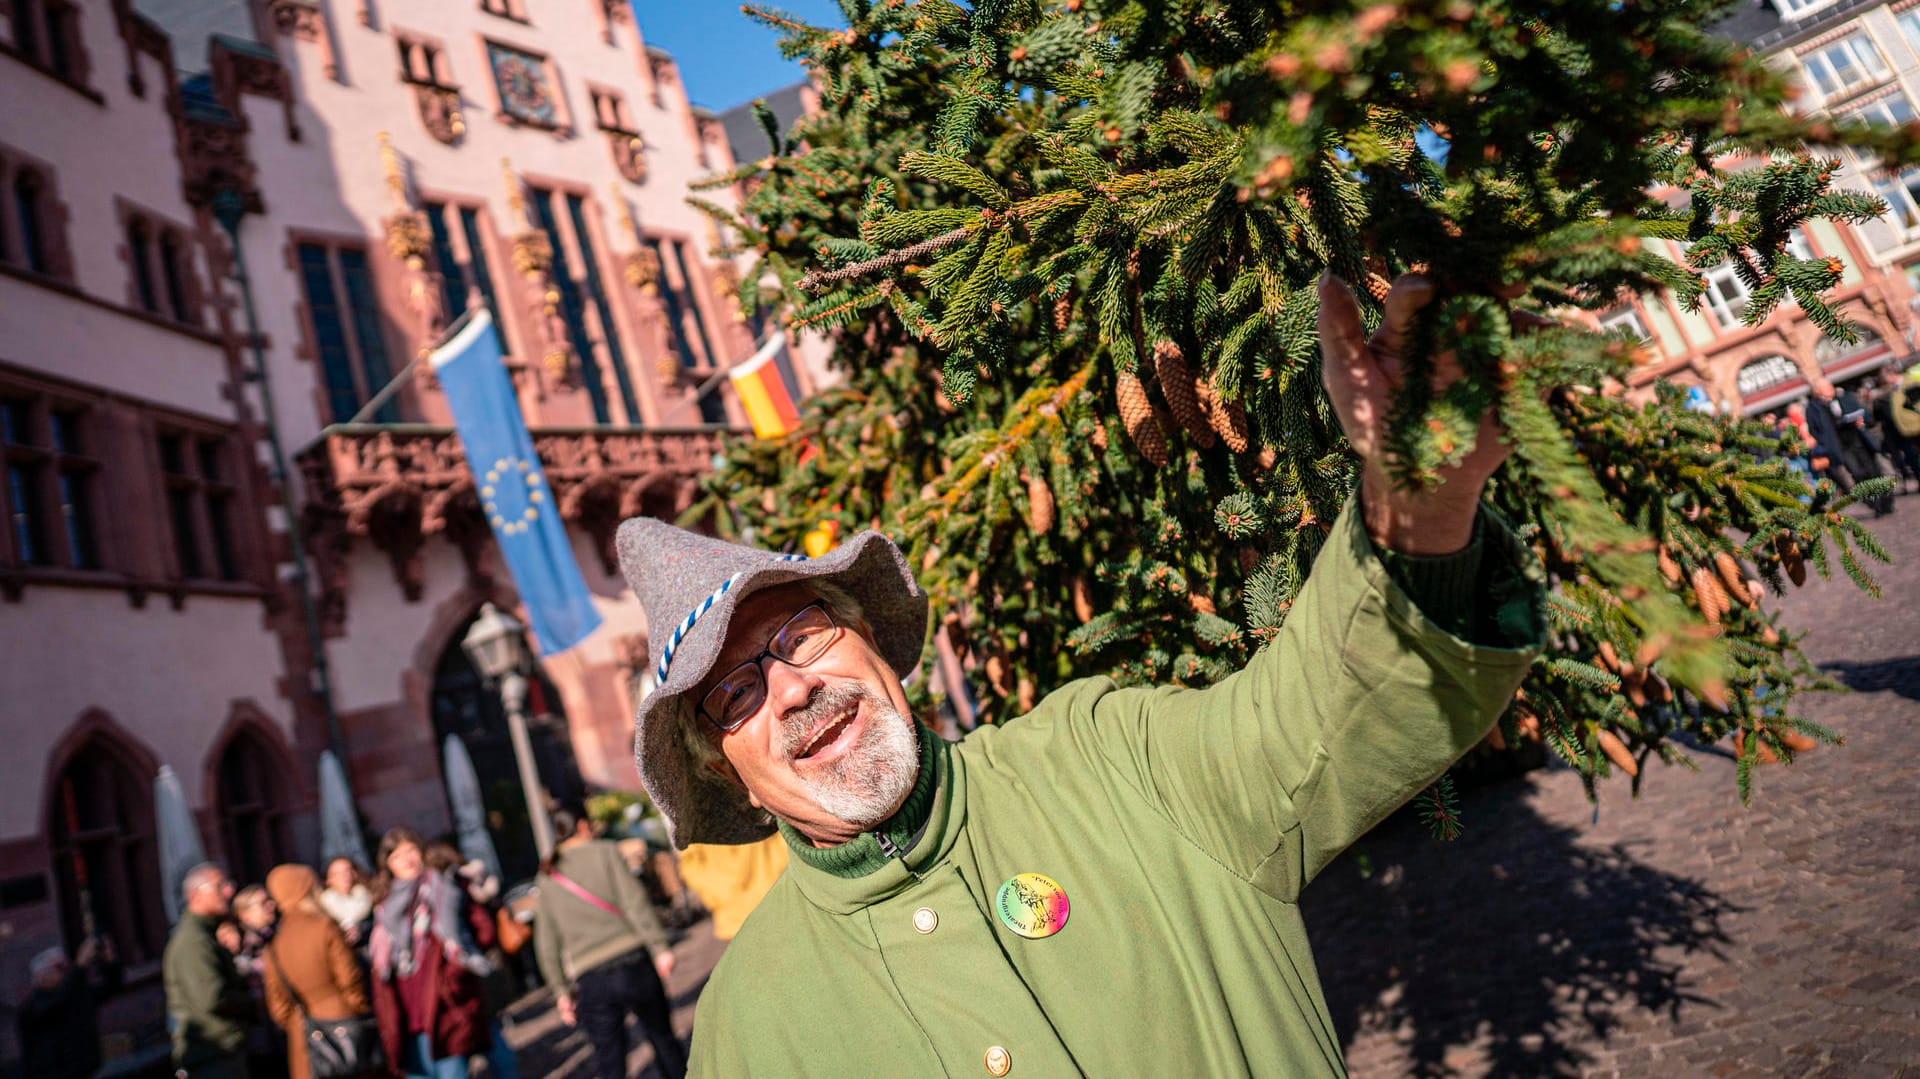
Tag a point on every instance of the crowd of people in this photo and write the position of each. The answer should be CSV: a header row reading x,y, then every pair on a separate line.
x,y
1850,437
404,971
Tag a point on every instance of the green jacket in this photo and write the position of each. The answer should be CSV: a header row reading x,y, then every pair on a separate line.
x,y
1182,825
572,936
207,1000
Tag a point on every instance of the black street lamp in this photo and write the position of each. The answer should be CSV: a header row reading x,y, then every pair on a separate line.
x,y
496,645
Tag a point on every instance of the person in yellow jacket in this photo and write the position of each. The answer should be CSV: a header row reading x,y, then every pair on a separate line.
x,y
1109,884
732,879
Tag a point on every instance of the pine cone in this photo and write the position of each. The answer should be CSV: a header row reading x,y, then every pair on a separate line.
x,y
1668,567
1731,576
1177,386
1099,436
1796,742
1617,752
1039,505
1062,314
1082,599
1229,418
1268,457
1201,603
1713,598
1791,560
1136,414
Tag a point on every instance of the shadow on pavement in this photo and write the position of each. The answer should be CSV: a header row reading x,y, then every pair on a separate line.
x,y
1507,947
1902,675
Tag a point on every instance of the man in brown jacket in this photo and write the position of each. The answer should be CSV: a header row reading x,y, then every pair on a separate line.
x,y
310,967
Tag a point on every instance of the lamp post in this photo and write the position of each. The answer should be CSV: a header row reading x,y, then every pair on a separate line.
x,y
497,646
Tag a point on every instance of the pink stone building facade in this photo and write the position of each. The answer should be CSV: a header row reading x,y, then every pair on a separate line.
x,y
392,165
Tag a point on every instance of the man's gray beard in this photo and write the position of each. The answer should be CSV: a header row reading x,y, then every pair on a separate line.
x,y
872,778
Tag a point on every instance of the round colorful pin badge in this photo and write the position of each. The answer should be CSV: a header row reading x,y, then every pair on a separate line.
x,y
1032,905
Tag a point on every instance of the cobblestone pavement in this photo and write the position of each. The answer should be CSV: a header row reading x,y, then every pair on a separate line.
x,y
1677,934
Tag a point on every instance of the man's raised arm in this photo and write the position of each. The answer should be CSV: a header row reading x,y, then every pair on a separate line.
x,y
1419,620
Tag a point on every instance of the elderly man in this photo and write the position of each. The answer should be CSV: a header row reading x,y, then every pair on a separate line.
x,y
208,1004
1107,885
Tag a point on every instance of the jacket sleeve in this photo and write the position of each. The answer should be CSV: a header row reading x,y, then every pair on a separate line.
x,y
348,980
1361,701
280,1006
546,940
632,900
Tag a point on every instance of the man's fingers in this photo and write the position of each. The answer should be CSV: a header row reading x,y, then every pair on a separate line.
x,y
1343,338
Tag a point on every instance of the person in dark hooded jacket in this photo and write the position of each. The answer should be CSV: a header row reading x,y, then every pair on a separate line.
x,y
1838,422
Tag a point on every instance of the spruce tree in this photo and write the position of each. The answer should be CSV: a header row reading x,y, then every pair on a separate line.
x,y
1067,254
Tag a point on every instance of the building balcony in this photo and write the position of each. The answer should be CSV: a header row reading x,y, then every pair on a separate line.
x,y
397,485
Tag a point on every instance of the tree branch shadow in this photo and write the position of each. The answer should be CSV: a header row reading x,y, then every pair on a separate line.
x,y
1514,944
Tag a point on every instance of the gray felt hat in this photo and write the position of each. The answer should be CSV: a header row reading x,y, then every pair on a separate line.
x,y
689,585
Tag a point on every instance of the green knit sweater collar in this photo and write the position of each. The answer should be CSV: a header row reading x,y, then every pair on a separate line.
x,y
863,854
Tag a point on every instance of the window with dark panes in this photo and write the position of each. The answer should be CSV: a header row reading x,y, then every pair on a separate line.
x,y
29,204
477,267
173,273
26,30
105,860
346,329
200,497
572,307
140,254
576,214
671,298
73,482
365,308
62,30
453,282
26,500
253,808
180,504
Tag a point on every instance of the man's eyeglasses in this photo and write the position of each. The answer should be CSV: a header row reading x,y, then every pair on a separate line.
x,y
803,639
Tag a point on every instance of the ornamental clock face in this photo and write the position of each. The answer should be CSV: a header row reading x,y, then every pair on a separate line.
x,y
522,79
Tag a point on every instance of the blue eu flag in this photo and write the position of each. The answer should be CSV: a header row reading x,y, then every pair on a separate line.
x,y
526,521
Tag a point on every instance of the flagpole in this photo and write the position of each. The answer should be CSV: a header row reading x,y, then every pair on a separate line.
x,y
393,384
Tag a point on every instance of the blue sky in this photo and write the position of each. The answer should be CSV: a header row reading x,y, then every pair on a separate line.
x,y
725,58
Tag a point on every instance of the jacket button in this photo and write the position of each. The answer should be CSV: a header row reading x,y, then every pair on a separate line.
x,y
925,921
999,1061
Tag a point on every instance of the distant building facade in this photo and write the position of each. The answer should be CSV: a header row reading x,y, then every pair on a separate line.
x,y
1853,58
386,167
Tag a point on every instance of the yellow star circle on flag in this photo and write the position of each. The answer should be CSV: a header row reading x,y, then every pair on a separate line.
x,y
514,504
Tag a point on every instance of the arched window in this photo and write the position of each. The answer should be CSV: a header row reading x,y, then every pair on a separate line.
x,y
140,253
252,796
28,205
173,271
105,862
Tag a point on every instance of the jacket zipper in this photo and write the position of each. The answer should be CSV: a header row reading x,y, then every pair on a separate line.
x,y
892,850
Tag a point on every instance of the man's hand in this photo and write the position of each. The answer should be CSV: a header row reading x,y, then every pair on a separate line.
x,y
663,962
1361,375
564,1005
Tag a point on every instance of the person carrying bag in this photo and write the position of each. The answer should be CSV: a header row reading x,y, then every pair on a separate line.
x,y
309,959
601,948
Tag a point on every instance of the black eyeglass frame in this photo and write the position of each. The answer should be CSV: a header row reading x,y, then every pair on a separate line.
x,y
763,655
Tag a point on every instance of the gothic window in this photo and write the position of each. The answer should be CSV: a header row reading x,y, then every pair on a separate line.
x,y
105,864
346,329
252,799
200,499
140,254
